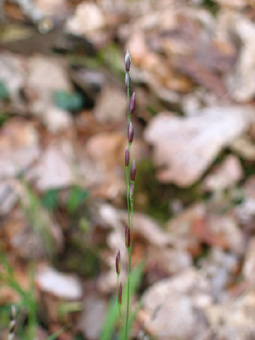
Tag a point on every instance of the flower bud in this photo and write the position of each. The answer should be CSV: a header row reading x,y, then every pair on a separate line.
x,y
118,263
131,191
127,236
127,157
120,294
127,61
133,171
130,132
127,80
131,103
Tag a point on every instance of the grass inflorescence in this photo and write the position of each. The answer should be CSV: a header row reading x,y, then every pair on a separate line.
x,y
130,170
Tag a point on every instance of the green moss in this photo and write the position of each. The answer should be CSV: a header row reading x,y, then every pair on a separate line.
x,y
211,5
3,118
79,256
154,198
248,167
205,252
148,187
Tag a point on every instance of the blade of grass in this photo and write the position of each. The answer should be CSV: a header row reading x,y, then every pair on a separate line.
x,y
112,312
57,333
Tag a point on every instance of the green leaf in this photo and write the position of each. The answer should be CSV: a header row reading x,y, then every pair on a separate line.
x,y
50,199
76,197
68,101
66,308
3,117
57,333
4,93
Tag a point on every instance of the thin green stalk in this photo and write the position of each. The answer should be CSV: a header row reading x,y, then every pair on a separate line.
x,y
128,97
129,222
128,292
119,306
128,167
129,265
128,187
129,253
132,217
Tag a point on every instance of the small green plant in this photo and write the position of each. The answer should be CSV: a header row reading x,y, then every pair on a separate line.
x,y
27,305
27,297
39,218
76,197
13,322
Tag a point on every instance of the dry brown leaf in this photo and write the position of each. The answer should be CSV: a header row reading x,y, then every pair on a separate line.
x,y
12,74
156,70
185,147
202,75
173,308
107,150
233,320
205,235
92,317
111,105
87,19
249,262
245,211
32,238
164,262
8,196
225,175
55,288
27,76
240,83
200,224
19,147
39,90
220,267
62,286
244,147
226,232
238,4
49,7
219,55
54,170
181,228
